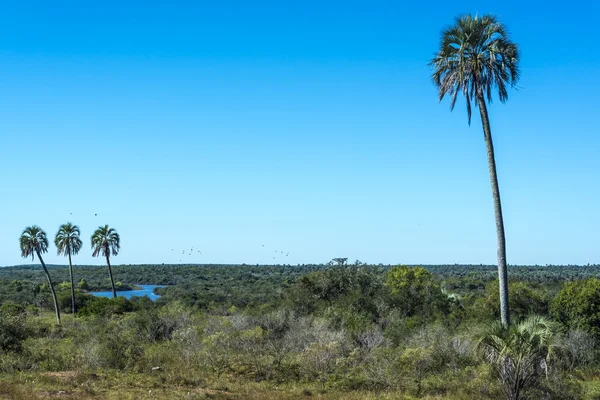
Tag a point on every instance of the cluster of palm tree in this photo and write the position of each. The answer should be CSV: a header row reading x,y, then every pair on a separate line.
x,y
105,241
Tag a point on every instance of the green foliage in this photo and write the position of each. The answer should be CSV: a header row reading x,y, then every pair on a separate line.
x,y
414,291
12,332
83,285
336,330
67,239
524,299
577,305
91,306
476,56
520,354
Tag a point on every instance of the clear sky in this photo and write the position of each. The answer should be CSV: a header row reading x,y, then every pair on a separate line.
x,y
308,127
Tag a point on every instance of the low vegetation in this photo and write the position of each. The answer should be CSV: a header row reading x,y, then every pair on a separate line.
x,y
279,332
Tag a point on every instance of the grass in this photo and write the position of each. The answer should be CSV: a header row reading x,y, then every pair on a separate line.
x,y
128,386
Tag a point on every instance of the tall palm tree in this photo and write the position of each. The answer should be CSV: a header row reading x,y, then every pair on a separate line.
x,y
476,58
67,242
34,242
106,241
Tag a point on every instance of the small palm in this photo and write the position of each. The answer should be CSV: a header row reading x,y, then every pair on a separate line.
x,y
521,353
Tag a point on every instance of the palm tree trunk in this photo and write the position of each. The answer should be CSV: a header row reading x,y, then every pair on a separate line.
x,y
112,282
56,309
72,285
502,270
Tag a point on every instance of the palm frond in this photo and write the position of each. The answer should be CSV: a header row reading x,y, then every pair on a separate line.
x,y
67,239
33,239
475,58
105,241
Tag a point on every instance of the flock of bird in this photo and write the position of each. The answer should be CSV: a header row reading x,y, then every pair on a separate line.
x,y
189,254
191,251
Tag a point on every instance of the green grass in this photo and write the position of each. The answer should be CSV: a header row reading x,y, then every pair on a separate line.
x,y
127,386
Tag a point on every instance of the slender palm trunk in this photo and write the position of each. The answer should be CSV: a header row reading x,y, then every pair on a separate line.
x,y
56,309
112,282
72,284
502,270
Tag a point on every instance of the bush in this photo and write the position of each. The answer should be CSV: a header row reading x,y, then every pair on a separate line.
x,y
155,325
10,308
104,306
577,305
414,291
524,299
580,350
12,332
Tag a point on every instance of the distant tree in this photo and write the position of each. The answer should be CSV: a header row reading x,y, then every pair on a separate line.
x,y
106,242
68,243
83,285
475,57
340,261
35,242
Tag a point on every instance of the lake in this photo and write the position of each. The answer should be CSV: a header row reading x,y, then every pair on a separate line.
x,y
147,290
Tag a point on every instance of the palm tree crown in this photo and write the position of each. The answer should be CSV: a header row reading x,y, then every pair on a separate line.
x,y
475,56
105,241
67,239
33,239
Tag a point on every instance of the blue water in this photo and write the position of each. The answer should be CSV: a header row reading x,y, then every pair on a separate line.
x,y
147,290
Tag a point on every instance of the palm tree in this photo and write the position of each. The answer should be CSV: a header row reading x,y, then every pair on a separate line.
x,y
106,241
475,58
33,242
520,354
67,242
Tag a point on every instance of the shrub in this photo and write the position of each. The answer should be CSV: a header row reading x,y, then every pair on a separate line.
x,y
577,305
414,291
104,306
12,332
520,355
579,349
524,299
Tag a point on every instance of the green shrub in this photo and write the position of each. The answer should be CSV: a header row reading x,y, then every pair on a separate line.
x,y
577,305
524,299
105,306
12,332
414,291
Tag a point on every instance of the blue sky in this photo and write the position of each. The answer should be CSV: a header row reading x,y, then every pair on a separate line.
x,y
308,127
